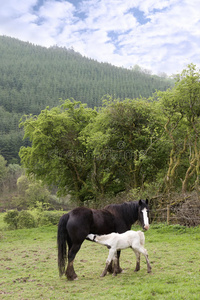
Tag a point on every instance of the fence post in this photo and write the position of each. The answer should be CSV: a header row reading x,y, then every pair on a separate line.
x,y
168,214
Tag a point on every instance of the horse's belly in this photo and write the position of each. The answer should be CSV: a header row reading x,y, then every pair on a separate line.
x,y
122,245
102,229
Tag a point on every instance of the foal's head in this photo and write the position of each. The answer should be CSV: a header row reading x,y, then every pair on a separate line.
x,y
143,214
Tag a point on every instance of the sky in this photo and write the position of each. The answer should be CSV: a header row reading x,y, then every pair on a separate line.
x,y
162,36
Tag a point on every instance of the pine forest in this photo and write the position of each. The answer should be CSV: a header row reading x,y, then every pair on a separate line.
x,y
34,77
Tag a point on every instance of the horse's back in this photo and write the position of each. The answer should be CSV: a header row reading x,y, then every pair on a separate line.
x,y
103,222
83,220
79,223
129,238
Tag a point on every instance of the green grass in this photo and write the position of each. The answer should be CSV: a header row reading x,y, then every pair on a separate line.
x,y
28,267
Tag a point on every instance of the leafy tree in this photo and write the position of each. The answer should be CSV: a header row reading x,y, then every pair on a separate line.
x,y
124,145
124,139
56,155
88,154
181,107
37,193
31,193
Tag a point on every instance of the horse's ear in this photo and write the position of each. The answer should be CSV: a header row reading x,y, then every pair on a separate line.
x,y
140,202
147,201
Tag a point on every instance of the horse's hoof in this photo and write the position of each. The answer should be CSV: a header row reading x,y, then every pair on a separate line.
x,y
71,278
120,271
136,270
149,271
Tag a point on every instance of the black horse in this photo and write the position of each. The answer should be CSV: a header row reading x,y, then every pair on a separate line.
x,y
74,227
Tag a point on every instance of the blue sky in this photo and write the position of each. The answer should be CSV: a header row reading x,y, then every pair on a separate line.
x,y
162,36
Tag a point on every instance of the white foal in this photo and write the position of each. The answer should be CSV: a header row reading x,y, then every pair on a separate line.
x,y
118,241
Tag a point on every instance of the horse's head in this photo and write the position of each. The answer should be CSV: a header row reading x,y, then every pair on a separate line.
x,y
143,214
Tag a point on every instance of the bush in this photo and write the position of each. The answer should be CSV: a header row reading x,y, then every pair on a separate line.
x,y
26,220
49,218
11,218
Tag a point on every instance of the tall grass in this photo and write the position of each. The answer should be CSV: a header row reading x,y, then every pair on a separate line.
x,y
28,267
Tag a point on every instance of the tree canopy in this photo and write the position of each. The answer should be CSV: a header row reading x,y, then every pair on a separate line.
x,y
123,145
56,154
181,108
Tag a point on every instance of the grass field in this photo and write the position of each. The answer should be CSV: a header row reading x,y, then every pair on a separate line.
x,y
28,267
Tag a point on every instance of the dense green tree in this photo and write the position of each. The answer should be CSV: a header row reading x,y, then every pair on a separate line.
x,y
124,140
56,155
181,107
89,154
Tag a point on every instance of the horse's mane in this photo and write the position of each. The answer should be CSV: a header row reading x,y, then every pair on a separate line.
x,y
128,210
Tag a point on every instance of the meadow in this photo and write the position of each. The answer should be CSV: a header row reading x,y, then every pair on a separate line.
x,y
28,266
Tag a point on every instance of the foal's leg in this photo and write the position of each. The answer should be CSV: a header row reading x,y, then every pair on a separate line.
x,y
145,253
105,270
114,266
137,267
147,260
108,261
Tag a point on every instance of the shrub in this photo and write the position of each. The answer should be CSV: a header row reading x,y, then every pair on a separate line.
x,y
26,220
49,218
11,218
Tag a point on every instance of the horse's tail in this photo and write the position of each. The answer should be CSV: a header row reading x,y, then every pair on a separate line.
x,y
62,236
142,237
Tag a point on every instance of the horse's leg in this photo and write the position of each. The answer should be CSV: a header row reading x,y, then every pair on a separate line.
x,y
110,268
137,267
105,270
108,261
115,264
145,253
147,260
118,269
70,273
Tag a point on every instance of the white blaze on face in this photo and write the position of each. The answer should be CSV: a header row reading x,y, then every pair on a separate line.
x,y
145,218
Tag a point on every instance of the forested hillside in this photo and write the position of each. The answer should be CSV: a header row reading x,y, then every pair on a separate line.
x,y
33,77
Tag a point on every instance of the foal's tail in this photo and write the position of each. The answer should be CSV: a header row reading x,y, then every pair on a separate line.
x,y
61,242
142,237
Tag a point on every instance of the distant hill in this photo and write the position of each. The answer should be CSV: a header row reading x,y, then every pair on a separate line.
x,y
33,77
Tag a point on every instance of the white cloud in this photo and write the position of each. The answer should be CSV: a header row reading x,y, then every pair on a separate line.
x,y
109,31
52,10
13,8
